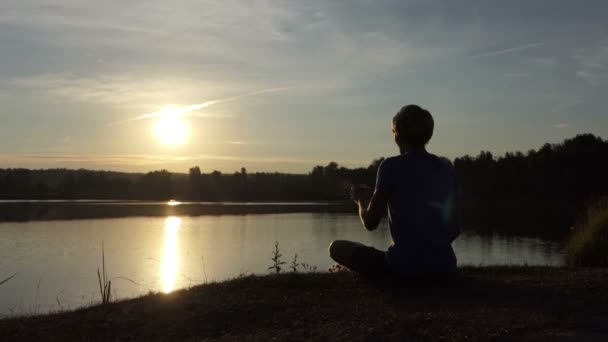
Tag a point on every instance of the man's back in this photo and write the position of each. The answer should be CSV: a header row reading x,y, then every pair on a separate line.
x,y
421,191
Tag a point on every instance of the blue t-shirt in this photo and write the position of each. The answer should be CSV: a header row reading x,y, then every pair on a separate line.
x,y
422,190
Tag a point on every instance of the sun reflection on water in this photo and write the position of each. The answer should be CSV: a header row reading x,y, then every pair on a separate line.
x,y
170,259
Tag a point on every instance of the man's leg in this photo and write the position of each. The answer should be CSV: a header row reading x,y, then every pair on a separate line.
x,y
360,258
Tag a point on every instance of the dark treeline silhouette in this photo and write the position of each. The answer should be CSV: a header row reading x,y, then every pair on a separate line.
x,y
323,183
574,171
559,177
545,190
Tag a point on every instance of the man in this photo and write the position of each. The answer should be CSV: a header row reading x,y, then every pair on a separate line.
x,y
419,190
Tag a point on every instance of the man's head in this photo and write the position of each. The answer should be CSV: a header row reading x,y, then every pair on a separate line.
x,y
413,127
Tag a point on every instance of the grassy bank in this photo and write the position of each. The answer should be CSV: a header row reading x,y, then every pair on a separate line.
x,y
510,303
588,244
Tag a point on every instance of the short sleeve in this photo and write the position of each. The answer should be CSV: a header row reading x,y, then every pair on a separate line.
x,y
384,179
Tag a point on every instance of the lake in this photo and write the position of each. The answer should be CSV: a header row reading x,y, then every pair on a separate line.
x,y
56,261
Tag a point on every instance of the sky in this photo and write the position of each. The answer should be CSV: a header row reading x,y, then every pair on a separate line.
x,y
286,85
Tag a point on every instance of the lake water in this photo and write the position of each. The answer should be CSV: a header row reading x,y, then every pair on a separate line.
x,y
56,261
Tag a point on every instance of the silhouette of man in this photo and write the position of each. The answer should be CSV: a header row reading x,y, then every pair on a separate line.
x,y
419,190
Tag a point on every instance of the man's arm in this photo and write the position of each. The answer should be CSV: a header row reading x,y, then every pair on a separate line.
x,y
372,214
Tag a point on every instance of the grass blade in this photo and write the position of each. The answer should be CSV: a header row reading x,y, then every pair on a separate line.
x,y
100,287
7,279
127,279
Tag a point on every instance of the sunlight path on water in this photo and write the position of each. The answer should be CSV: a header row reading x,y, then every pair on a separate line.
x,y
170,258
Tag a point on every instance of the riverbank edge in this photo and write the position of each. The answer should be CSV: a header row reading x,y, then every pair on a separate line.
x,y
53,211
510,303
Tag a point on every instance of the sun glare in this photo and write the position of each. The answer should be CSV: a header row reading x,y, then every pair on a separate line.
x,y
170,256
170,128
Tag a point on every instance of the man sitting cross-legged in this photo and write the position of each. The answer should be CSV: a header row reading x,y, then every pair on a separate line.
x,y
419,190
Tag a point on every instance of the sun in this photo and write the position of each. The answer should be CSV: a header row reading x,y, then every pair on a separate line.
x,y
170,128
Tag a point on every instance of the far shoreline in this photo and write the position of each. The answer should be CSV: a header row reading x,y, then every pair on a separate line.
x,y
503,217
53,210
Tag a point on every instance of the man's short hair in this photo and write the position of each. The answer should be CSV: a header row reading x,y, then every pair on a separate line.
x,y
414,125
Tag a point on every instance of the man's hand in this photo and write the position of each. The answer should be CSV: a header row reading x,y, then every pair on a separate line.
x,y
360,193
372,205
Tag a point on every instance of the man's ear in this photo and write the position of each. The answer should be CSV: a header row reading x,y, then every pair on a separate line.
x,y
397,139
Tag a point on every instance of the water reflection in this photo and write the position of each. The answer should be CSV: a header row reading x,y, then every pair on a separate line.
x,y
170,258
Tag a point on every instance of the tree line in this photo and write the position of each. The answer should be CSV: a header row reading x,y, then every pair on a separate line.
x,y
569,173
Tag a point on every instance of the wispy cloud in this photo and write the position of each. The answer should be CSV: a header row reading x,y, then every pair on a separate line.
x,y
262,39
189,110
510,50
566,104
126,90
593,64
132,92
595,77
111,160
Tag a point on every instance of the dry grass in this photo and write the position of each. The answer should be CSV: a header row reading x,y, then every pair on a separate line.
x,y
588,245
105,284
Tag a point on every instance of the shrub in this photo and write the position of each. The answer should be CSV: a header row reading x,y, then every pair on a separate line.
x,y
276,259
294,264
588,245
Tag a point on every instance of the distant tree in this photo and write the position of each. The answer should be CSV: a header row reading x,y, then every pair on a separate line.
x,y
317,171
194,173
331,169
195,179
155,185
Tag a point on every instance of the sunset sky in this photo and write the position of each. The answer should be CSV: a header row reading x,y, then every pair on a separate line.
x,y
286,85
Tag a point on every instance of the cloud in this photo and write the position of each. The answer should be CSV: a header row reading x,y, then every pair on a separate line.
x,y
516,75
594,77
593,64
83,159
561,125
545,61
510,50
189,110
135,91
126,90
262,39
566,103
